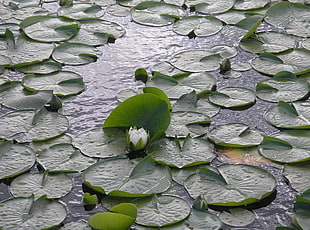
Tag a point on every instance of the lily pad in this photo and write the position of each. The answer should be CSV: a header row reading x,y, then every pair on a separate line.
x,y
199,25
237,217
289,116
300,216
232,97
159,211
293,17
127,178
53,186
296,61
49,28
39,146
250,4
178,153
154,13
13,95
27,125
79,225
231,17
235,135
174,88
118,10
45,67
284,86
97,32
75,53
101,142
24,213
81,10
232,185
298,177
15,159
62,83
211,6
64,158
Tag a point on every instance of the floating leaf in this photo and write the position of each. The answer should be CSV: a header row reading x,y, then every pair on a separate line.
x,y
199,25
49,28
118,10
154,13
15,159
289,116
249,24
237,217
250,4
24,213
211,6
193,151
300,217
29,126
81,10
232,16
295,61
235,135
127,178
39,146
64,158
161,211
232,97
45,67
101,142
53,186
13,95
75,53
79,225
284,86
97,32
63,83
233,185
298,177
293,17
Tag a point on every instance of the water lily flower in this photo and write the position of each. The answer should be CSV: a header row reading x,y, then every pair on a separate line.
x,y
137,138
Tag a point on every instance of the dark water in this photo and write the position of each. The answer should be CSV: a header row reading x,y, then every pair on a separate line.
x,y
142,47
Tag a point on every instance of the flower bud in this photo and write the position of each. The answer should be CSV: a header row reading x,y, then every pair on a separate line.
x,y
137,138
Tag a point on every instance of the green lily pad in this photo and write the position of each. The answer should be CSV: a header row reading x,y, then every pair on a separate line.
x,y
231,17
199,25
211,6
237,217
118,10
174,88
284,86
39,146
232,185
97,32
293,17
143,110
250,4
295,61
63,83
269,42
178,153
289,116
127,178
13,95
235,135
23,51
45,67
202,60
232,97
49,28
75,54
298,177
81,10
300,216
79,225
249,24
15,159
27,125
53,186
24,213
18,15
64,158
110,221
159,211
101,142
154,13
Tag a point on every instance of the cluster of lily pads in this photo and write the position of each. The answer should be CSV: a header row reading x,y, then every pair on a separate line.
x,y
134,179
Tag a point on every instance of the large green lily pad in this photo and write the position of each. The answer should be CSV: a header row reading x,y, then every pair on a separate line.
x,y
15,159
24,213
232,185
127,178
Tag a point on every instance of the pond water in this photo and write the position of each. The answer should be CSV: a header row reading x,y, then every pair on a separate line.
x,y
143,47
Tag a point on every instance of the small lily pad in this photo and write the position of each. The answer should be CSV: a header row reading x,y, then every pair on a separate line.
x,y
235,135
62,83
298,177
53,186
75,53
289,116
232,97
237,217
